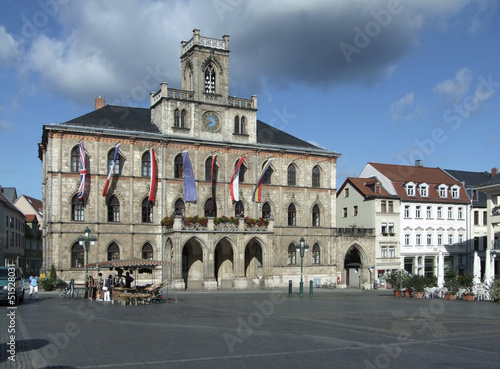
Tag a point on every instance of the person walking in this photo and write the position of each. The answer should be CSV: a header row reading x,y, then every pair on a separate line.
x,y
34,285
91,287
107,288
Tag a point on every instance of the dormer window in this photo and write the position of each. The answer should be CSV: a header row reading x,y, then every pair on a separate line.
x,y
455,191
443,191
377,188
424,190
410,189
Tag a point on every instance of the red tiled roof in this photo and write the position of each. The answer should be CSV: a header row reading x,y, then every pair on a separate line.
x,y
366,187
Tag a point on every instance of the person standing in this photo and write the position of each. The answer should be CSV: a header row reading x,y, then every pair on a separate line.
x,y
100,285
34,285
128,280
107,288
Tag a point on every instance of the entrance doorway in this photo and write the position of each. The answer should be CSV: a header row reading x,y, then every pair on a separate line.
x,y
353,267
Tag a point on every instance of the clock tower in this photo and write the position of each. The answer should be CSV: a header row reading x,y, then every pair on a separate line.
x,y
203,108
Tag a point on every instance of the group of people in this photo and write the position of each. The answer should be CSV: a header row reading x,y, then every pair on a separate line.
x,y
100,289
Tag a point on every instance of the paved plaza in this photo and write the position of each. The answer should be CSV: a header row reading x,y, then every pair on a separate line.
x,y
254,329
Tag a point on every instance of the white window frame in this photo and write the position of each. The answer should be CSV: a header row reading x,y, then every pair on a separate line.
x,y
407,239
443,191
407,211
392,252
424,190
429,239
418,211
429,212
410,189
450,212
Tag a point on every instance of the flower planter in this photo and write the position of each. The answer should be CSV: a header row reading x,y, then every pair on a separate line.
x,y
450,296
468,297
418,295
397,293
407,294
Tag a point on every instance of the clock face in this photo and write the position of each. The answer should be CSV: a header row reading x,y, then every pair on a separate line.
x,y
211,121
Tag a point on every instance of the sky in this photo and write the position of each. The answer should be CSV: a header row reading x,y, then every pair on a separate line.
x,y
376,81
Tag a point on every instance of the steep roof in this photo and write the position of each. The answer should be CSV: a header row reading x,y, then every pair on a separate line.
x,y
472,180
366,187
492,181
400,175
36,204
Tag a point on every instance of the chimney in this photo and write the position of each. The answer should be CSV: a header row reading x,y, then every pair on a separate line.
x,y
99,103
494,171
419,163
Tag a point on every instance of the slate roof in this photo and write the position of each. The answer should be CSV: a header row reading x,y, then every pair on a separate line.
x,y
6,201
10,193
492,181
400,175
472,180
139,120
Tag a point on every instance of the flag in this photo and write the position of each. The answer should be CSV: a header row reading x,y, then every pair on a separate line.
x,y
213,179
106,185
235,181
83,171
257,193
152,183
189,183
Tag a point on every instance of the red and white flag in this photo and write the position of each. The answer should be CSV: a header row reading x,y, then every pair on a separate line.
x,y
111,170
83,171
235,181
152,183
257,192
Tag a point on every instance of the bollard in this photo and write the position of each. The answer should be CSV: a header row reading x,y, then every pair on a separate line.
x,y
310,288
290,287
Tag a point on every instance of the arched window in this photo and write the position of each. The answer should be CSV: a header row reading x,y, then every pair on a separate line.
x,y
113,209
208,169
243,170
292,173
146,164
316,177
267,176
147,211
147,251
266,210
210,208
183,118
77,256
292,255
77,209
292,215
315,216
113,252
179,207
75,159
178,166
239,210
315,254
243,128
237,125
176,118
111,156
210,80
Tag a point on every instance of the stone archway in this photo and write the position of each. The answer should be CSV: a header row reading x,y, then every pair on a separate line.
x,y
192,264
253,263
354,267
224,264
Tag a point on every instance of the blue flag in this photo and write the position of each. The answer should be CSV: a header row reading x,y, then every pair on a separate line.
x,y
189,183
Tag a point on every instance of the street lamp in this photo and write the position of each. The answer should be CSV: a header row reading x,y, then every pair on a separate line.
x,y
302,248
87,240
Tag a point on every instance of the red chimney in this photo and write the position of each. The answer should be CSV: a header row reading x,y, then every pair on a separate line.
x,y
99,102
494,171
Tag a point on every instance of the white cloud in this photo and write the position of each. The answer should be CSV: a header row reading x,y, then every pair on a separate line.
x,y
402,106
9,48
455,89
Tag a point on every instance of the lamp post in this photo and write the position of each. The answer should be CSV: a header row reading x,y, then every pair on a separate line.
x,y
302,248
86,241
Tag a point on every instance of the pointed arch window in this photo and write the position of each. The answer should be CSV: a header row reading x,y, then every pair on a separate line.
x,y
111,156
147,211
292,175
316,178
77,256
237,125
177,118
183,118
210,86
292,215
179,207
242,172
178,166
113,252
77,209
210,208
243,128
315,216
75,159
266,179
146,164
113,209
292,255
239,209
316,254
147,251
208,169
266,210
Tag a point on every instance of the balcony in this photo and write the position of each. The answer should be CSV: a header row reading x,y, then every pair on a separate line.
x,y
220,224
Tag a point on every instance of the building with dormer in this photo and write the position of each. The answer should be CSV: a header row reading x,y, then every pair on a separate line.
x,y
122,171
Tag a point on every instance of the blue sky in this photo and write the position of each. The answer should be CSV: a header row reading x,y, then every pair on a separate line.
x,y
377,81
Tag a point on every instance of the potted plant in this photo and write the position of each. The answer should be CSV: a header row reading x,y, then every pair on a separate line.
x,y
395,279
418,283
451,284
467,282
495,290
